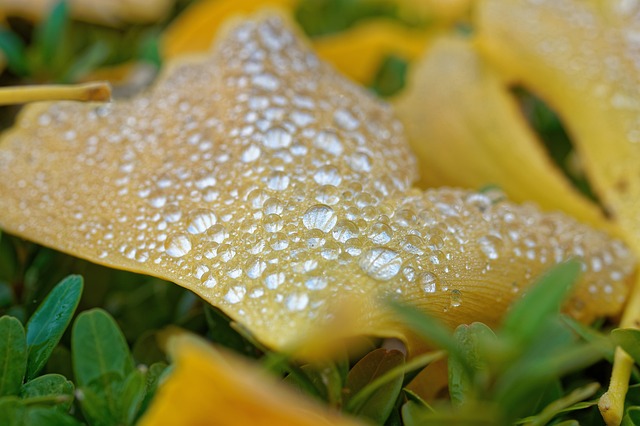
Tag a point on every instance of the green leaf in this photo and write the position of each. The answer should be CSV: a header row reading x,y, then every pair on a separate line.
x,y
570,402
428,327
52,388
101,363
12,411
525,319
413,413
629,340
49,322
49,34
154,377
472,340
13,355
132,395
96,408
46,416
13,49
223,333
379,402
631,417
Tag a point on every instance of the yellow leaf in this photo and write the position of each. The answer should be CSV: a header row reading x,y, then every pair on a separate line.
x,y
279,191
109,12
468,131
582,58
208,386
195,29
359,51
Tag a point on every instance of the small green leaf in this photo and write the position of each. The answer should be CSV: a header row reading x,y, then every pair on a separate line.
x,y
413,413
51,387
568,403
428,327
13,49
132,395
629,340
472,340
101,363
49,322
50,33
154,376
543,300
48,416
13,355
631,417
96,408
12,411
379,402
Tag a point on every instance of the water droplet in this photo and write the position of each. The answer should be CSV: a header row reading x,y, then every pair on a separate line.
x,y
278,241
250,154
381,263
428,282
278,181
265,81
201,221
255,268
315,238
217,233
272,223
328,194
413,244
276,138
235,294
297,302
157,199
360,162
330,251
208,280
327,140
327,175
316,283
380,233
273,281
177,245
320,217
456,298
345,230
226,252
490,246
345,119
200,271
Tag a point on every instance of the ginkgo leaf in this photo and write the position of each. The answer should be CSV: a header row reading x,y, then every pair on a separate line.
x,y
110,12
278,191
207,383
468,131
359,51
195,29
582,58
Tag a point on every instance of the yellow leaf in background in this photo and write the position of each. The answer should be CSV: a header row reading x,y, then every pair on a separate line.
x,y
467,130
438,12
208,386
107,12
195,29
279,191
582,59
359,51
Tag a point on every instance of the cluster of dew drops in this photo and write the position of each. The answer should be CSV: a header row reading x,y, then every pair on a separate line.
x,y
283,182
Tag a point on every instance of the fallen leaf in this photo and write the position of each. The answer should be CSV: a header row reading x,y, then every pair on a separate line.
x,y
207,384
467,130
277,190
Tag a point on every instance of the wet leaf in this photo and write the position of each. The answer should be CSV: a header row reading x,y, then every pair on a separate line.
x,y
319,222
378,405
263,401
49,322
459,112
13,356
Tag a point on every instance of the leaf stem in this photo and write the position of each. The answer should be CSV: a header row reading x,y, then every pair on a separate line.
x,y
611,403
96,91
